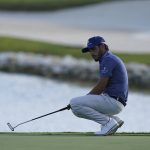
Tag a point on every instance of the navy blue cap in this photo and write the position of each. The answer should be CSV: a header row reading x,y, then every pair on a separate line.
x,y
92,42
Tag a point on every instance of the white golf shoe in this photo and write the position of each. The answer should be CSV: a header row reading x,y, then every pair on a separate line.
x,y
109,128
119,121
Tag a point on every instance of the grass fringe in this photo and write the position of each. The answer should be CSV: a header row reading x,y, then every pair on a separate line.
x,y
71,134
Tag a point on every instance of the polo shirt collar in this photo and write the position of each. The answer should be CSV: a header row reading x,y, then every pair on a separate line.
x,y
104,55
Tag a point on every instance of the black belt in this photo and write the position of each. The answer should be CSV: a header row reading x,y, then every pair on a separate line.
x,y
119,100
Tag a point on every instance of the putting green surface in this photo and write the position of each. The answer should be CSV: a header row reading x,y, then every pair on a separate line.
x,y
73,141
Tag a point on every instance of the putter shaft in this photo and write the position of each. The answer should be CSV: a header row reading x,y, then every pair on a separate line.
x,y
12,128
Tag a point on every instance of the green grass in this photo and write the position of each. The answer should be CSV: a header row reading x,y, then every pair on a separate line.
x,y
20,45
72,141
139,58
43,4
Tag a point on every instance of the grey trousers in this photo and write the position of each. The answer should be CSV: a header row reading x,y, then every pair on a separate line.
x,y
98,108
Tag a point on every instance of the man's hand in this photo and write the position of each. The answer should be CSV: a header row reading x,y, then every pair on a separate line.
x,y
100,86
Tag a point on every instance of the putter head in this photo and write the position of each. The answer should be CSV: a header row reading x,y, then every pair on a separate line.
x,y
11,128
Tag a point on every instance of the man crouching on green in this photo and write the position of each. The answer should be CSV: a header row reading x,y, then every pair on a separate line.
x,y
109,96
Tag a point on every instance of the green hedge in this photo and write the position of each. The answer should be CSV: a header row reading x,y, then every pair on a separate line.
x,y
20,45
43,4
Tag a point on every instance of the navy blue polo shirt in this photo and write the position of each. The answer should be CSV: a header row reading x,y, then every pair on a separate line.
x,y
113,67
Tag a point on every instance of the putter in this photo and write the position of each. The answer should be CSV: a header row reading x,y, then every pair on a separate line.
x,y
12,128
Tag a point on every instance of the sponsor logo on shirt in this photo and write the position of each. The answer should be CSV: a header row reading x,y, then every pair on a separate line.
x,y
104,70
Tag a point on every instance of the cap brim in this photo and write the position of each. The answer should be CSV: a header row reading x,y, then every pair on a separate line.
x,y
84,50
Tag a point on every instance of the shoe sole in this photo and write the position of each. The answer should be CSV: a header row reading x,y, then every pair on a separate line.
x,y
120,123
113,129
110,132
119,126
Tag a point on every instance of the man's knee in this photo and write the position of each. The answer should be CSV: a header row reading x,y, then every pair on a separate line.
x,y
75,102
76,106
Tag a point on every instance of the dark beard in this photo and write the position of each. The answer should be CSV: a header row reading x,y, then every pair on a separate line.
x,y
96,59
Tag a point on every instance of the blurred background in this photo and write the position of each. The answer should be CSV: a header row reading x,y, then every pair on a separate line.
x,y
42,67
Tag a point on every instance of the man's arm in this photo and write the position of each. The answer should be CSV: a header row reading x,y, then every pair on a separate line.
x,y
100,86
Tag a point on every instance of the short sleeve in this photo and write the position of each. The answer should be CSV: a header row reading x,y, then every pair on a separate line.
x,y
107,66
